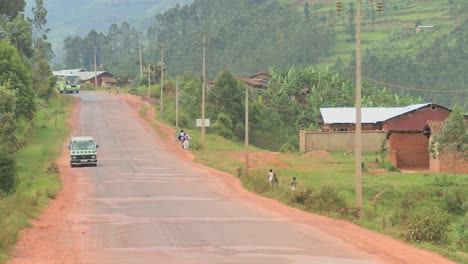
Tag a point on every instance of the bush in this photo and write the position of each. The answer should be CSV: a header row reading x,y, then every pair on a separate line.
x,y
239,131
8,178
393,168
329,200
462,234
223,126
52,169
453,202
428,225
287,148
444,181
302,196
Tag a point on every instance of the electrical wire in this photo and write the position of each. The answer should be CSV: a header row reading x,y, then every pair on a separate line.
x,y
415,89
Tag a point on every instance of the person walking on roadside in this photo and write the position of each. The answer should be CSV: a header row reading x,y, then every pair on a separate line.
x,y
293,184
271,177
186,143
181,137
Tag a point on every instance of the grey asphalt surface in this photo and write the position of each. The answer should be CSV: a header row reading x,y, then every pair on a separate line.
x,y
142,204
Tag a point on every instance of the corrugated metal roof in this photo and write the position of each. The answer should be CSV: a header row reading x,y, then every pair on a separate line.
x,y
347,115
67,72
84,76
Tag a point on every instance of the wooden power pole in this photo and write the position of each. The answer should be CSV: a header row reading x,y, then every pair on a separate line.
x,y
358,134
162,75
177,104
246,142
203,93
149,80
95,69
141,59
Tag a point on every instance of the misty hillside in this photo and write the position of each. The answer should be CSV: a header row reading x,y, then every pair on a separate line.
x,y
78,17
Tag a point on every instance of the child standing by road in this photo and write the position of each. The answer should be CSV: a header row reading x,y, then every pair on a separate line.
x,y
293,184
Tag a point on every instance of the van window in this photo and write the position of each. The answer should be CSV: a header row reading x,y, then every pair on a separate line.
x,y
83,145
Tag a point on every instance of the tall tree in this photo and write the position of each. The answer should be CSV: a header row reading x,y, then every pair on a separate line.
x,y
39,19
11,8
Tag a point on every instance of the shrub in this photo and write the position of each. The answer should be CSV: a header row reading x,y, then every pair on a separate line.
x,y
393,168
223,126
239,131
444,181
52,169
328,199
453,202
8,178
287,148
428,225
462,234
302,196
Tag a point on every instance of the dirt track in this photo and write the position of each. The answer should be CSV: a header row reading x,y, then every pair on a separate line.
x,y
147,202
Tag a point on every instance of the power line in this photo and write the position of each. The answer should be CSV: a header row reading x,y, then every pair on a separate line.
x,y
415,89
223,98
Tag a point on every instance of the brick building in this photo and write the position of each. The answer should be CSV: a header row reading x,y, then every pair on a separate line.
x,y
407,144
90,77
446,162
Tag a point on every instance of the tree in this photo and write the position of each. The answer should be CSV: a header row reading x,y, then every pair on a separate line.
x,y
15,76
453,139
39,19
11,8
307,10
351,24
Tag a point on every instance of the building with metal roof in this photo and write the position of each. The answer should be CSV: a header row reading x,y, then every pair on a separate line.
x,y
408,118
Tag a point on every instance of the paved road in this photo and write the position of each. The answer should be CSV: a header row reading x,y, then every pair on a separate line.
x,y
144,205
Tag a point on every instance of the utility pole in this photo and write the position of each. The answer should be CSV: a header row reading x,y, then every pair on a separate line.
x,y
162,75
246,126
149,80
177,104
358,136
203,93
95,69
141,60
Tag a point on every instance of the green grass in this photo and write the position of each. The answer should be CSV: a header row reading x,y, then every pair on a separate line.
x,y
45,141
397,16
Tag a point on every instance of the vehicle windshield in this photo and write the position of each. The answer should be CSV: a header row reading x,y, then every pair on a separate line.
x,y
83,145
73,80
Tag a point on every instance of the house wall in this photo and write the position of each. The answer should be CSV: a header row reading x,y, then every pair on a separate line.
x,y
445,163
416,121
409,150
99,79
340,141
350,127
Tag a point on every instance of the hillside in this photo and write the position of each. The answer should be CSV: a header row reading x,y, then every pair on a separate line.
x,y
66,18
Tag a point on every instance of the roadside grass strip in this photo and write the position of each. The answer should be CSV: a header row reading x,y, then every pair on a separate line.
x,y
39,180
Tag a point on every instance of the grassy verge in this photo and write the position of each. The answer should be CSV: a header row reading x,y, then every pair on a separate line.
x,y
39,180
392,201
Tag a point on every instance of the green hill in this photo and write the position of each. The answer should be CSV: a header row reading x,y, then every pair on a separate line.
x,y
78,17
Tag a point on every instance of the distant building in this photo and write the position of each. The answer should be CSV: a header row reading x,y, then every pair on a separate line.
x,y
424,28
412,117
88,76
108,82
256,81
405,127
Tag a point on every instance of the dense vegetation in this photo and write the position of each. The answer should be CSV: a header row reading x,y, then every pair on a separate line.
x,y
242,36
78,17
25,78
290,103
